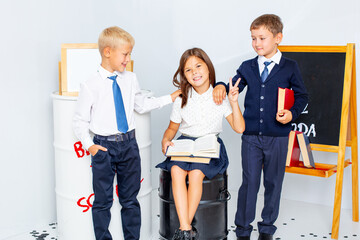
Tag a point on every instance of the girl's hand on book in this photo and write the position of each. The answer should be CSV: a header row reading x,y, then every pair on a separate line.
x,y
233,91
165,144
284,116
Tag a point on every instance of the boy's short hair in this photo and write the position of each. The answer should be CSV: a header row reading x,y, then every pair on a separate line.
x,y
112,37
271,22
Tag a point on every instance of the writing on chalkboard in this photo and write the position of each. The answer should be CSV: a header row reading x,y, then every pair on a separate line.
x,y
305,111
308,130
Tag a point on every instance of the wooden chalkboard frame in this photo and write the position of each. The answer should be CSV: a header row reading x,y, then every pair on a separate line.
x,y
347,134
64,80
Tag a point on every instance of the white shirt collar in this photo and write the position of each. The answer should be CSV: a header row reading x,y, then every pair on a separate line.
x,y
105,73
195,95
276,58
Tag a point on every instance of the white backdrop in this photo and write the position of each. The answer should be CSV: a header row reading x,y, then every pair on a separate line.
x,y
32,32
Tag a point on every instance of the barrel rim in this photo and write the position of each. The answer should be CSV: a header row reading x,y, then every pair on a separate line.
x,y
57,96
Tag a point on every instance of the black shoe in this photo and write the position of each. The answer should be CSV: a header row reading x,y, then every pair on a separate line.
x,y
177,235
190,234
265,236
243,238
186,235
195,233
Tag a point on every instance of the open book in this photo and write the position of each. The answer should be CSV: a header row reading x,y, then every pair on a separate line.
x,y
203,147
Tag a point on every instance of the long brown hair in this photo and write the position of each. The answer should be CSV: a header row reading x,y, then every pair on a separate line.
x,y
182,82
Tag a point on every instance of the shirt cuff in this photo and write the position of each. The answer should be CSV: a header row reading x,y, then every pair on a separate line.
x,y
165,100
88,143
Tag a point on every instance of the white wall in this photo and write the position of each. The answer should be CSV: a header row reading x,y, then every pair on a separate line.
x,y
32,32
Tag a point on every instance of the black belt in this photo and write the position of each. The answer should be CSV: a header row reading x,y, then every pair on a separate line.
x,y
120,137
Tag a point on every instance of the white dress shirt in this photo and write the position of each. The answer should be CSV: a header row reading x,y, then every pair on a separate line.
x,y
200,116
274,60
96,109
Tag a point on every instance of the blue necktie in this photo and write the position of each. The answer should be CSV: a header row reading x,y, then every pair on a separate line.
x,y
119,107
265,73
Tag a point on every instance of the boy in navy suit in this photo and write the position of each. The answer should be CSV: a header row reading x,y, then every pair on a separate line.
x,y
264,142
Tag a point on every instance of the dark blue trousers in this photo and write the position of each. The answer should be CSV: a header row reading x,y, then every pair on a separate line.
x,y
267,154
122,159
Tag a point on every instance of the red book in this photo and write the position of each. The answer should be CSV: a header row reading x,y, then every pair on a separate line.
x,y
285,98
293,154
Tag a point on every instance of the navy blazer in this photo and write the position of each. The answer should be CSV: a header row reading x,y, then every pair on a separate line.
x,y
261,98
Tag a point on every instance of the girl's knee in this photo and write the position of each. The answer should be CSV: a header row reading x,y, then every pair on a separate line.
x,y
176,169
196,175
177,172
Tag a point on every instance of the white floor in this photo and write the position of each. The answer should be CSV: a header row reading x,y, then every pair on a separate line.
x,y
297,221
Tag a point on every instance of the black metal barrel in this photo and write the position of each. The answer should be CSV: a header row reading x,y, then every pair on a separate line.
x,y
211,216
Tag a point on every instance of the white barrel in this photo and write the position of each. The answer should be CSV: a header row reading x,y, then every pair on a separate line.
x,y
73,182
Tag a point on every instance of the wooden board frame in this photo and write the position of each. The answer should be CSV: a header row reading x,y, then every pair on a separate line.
x,y
63,66
347,137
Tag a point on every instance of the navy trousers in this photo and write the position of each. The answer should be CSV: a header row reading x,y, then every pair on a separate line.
x,y
122,159
260,153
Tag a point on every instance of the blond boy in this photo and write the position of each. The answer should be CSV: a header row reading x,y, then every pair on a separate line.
x,y
106,105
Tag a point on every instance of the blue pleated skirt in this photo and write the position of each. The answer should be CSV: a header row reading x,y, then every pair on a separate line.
x,y
215,166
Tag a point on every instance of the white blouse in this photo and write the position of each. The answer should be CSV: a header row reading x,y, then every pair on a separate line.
x,y
200,116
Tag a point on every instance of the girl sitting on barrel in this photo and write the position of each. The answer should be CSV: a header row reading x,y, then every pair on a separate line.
x,y
195,115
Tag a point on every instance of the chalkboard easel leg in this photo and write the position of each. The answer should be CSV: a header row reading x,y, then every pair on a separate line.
x,y
354,145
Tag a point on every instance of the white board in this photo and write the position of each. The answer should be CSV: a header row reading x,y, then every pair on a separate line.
x,y
81,64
